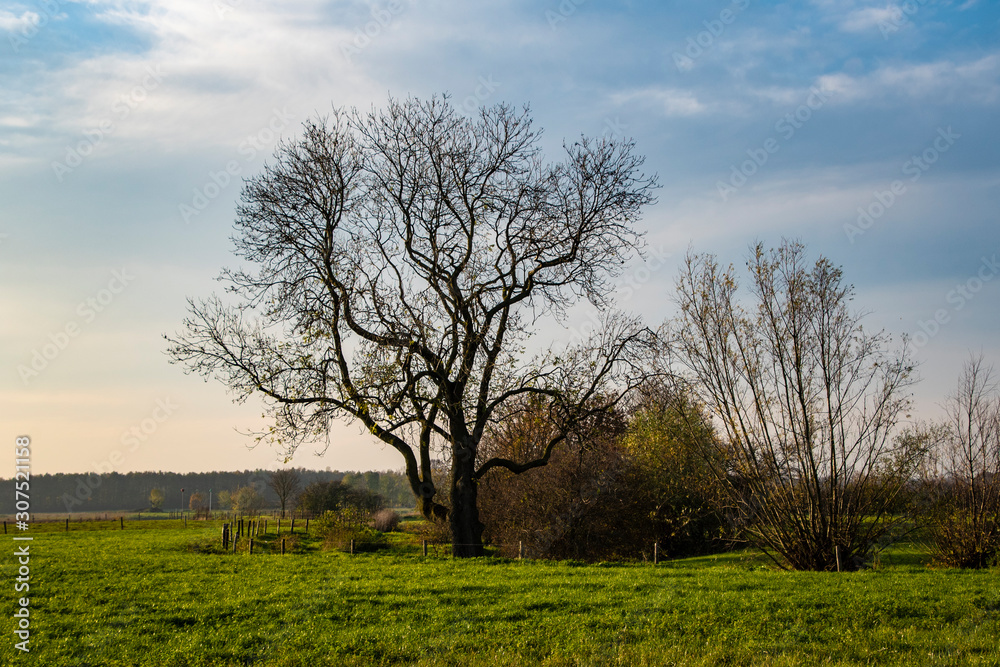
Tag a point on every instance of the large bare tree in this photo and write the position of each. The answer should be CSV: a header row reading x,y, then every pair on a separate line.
x,y
808,400
397,263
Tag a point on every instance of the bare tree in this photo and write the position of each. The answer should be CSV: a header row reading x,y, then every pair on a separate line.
x,y
285,483
403,258
965,526
808,400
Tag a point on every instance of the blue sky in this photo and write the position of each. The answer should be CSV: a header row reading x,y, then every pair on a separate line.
x,y
866,129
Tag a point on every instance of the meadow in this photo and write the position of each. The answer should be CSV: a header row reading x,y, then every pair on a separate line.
x,y
163,595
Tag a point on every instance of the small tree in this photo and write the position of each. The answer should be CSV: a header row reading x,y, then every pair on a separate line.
x,y
965,522
807,399
156,499
285,483
247,500
198,501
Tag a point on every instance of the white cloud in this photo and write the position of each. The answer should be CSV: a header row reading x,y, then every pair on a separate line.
x,y
870,18
222,74
14,23
670,101
975,81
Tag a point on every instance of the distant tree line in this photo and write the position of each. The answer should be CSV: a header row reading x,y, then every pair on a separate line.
x,y
106,492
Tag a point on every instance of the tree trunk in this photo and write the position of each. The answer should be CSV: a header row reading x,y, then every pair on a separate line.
x,y
466,529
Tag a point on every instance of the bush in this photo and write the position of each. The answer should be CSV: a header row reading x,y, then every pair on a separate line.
x,y
339,527
320,497
964,526
960,539
619,484
385,521
577,506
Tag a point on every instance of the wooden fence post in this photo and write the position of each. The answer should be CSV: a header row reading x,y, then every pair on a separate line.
x,y
225,537
67,524
282,546
520,549
836,553
352,547
292,529
656,553
121,519
251,546
425,548
307,525
4,527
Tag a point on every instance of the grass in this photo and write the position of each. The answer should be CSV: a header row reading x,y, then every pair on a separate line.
x,y
158,594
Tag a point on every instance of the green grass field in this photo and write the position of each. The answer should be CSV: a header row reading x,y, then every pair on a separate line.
x,y
161,595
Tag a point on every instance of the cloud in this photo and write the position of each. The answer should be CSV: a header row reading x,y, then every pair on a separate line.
x,y
670,101
869,18
13,23
223,75
977,82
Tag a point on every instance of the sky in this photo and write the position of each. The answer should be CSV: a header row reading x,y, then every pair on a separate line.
x,y
867,130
